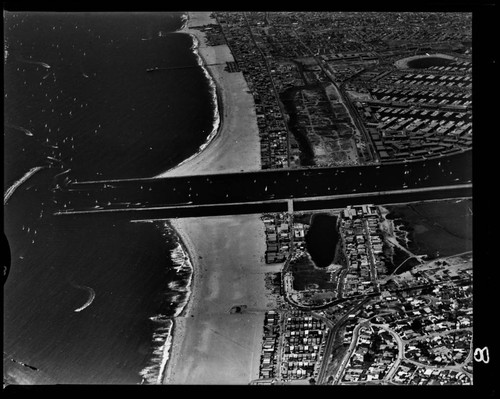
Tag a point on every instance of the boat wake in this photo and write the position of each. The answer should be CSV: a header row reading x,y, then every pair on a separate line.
x,y
8,193
44,64
22,129
89,301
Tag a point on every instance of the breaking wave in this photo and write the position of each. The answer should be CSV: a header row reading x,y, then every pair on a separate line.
x,y
180,288
179,291
162,341
184,19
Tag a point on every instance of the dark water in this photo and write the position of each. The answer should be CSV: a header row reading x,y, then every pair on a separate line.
x,y
321,239
140,123
77,96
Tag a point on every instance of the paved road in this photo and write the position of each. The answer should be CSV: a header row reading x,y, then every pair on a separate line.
x,y
400,357
347,355
331,339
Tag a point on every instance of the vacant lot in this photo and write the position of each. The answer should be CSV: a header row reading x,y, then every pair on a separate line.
x,y
443,227
306,275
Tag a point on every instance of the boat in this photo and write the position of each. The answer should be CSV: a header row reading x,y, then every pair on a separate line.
x,y
53,159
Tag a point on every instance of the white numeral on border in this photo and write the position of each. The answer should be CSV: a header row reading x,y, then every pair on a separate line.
x,y
482,355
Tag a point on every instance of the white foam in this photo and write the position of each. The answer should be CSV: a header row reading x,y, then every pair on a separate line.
x,y
89,301
159,318
5,51
153,373
175,285
180,260
182,264
185,19
165,357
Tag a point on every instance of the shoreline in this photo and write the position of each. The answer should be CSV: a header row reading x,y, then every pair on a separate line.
x,y
177,328
232,146
211,345
218,104
234,143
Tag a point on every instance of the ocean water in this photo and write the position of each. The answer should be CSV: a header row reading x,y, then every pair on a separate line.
x,y
88,299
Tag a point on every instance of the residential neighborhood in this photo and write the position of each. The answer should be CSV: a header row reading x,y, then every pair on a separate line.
x,y
387,324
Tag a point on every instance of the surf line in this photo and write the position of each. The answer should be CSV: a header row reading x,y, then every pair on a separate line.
x,y
89,301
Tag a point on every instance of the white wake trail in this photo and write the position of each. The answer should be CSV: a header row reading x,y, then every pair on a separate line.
x,y
13,188
89,301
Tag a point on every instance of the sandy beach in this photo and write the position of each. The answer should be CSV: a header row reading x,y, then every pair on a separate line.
x,y
211,345
236,146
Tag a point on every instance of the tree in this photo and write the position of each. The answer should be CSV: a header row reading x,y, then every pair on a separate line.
x,y
416,325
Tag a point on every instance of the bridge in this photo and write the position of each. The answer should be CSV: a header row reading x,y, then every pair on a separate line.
x,y
271,190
